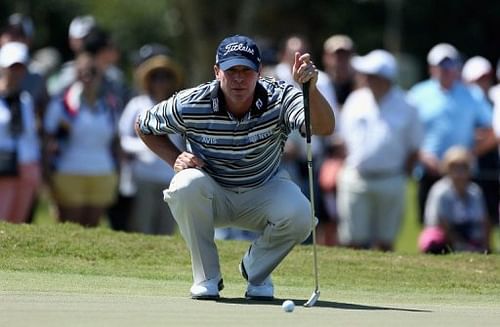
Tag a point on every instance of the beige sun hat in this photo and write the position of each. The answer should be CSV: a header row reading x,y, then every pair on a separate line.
x,y
159,62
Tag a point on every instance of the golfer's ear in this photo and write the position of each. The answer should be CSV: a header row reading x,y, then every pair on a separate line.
x,y
216,71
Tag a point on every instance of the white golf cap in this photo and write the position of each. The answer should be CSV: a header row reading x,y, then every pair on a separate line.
x,y
442,51
475,68
80,26
13,53
377,62
338,42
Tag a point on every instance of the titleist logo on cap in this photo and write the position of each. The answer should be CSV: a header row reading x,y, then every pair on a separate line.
x,y
235,46
238,50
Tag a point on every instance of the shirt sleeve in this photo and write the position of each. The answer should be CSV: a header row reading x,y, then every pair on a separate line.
x,y
128,138
53,115
29,150
484,110
416,133
163,118
293,109
435,206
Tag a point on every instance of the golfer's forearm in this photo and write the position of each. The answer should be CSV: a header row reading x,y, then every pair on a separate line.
x,y
161,146
322,117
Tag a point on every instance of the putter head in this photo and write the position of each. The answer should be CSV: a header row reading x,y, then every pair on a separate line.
x,y
312,300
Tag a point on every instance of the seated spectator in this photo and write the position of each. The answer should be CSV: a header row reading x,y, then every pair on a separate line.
x,y
455,213
19,146
158,77
81,130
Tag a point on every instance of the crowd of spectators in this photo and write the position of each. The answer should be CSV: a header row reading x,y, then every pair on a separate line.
x,y
69,127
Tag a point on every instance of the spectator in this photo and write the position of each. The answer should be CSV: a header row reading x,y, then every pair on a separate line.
x,y
294,160
98,42
478,73
19,145
327,179
337,53
79,28
451,114
20,29
382,134
158,78
455,213
81,125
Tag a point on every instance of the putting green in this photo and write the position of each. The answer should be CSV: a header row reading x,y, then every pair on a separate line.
x,y
51,299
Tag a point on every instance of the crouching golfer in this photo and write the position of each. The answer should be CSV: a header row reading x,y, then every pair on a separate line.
x,y
235,128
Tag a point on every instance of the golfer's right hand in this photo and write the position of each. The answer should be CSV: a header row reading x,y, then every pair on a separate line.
x,y
187,160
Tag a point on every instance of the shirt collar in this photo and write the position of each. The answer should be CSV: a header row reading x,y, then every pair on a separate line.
x,y
259,103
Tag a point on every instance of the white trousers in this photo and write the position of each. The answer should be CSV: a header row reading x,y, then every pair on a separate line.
x,y
278,210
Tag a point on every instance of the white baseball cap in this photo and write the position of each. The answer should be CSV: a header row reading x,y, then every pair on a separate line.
x,y
377,62
475,68
442,51
13,53
80,26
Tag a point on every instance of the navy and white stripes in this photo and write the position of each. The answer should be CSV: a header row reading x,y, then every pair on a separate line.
x,y
237,153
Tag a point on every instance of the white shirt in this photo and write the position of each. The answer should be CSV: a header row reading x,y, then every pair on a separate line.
x,y
88,147
379,136
27,143
283,71
494,95
146,166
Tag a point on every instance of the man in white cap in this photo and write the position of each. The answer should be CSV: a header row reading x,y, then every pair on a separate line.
x,y
382,134
451,114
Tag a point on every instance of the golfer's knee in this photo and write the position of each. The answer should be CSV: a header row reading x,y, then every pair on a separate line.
x,y
297,222
188,182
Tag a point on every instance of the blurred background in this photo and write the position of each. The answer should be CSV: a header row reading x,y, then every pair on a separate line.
x,y
193,28
188,31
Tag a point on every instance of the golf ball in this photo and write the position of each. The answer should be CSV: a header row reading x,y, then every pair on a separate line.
x,y
288,306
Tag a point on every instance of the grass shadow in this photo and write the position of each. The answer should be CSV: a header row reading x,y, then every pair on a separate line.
x,y
319,303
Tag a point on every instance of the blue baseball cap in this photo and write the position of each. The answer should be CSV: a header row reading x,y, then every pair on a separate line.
x,y
238,50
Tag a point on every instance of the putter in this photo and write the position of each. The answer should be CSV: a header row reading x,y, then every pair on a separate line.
x,y
315,295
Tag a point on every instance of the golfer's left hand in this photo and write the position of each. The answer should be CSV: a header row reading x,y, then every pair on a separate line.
x,y
304,69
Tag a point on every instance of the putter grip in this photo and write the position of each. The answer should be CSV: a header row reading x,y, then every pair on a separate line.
x,y
307,114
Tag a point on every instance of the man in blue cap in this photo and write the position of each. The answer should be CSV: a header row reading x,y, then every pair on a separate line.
x,y
235,127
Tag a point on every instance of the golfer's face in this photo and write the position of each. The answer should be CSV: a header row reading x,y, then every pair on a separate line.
x,y
238,82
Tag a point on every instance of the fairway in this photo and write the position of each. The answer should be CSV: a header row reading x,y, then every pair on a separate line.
x,y
46,299
64,275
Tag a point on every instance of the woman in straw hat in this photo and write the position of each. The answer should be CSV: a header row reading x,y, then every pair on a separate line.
x,y
158,77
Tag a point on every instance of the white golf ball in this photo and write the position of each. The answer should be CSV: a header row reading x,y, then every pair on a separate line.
x,y
288,306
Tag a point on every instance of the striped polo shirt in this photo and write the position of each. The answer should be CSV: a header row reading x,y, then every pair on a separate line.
x,y
238,153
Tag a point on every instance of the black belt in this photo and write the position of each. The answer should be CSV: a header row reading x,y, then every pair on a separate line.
x,y
378,174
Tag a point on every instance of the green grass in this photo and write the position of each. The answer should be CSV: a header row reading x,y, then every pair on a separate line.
x,y
70,249
405,243
65,275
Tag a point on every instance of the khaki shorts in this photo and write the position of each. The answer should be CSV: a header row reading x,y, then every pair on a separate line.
x,y
78,190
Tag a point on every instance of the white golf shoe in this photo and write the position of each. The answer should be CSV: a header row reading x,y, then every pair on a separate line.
x,y
261,292
207,290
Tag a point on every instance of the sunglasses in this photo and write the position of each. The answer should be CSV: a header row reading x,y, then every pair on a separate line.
x,y
161,76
